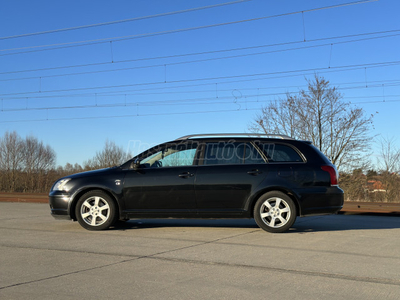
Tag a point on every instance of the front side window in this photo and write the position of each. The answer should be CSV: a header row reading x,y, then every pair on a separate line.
x,y
172,156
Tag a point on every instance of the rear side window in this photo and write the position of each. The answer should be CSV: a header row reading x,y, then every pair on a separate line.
x,y
224,153
279,153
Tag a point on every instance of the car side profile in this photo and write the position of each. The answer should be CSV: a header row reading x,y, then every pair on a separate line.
x,y
271,178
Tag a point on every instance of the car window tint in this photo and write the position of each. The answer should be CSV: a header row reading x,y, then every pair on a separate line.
x,y
252,155
280,153
172,156
224,153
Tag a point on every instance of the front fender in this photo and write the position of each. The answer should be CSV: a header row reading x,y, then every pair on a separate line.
x,y
114,192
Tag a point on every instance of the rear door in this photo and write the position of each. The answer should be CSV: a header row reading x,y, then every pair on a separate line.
x,y
226,177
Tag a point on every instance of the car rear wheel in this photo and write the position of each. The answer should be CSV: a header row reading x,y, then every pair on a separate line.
x,y
275,212
95,210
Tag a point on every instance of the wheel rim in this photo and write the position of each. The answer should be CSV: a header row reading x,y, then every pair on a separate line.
x,y
95,211
275,212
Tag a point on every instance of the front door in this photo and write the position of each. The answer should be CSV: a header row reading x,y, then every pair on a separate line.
x,y
164,182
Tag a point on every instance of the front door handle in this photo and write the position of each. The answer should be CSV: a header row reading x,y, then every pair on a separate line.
x,y
185,175
254,172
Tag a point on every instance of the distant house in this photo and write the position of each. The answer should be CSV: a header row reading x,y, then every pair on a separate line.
x,y
374,186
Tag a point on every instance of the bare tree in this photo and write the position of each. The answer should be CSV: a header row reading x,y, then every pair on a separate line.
x,y
38,159
319,115
111,155
389,155
72,169
11,154
25,165
389,165
354,185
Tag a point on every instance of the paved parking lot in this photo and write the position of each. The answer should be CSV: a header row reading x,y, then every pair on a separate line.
x,y
324,257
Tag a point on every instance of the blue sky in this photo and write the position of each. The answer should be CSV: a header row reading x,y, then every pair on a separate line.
x,y
130,95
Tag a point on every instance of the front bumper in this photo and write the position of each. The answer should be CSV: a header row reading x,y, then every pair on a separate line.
x,y
59,205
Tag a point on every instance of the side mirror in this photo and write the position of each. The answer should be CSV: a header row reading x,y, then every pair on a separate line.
x,y
136,164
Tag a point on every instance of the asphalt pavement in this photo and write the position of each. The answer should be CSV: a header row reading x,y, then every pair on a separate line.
x,y
321,257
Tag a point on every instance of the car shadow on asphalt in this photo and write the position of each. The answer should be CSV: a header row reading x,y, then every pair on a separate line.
x,y
169,223
346,222
302,225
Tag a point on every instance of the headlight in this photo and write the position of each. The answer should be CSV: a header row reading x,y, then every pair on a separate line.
x,y
60,185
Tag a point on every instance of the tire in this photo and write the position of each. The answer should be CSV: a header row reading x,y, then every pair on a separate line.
x,y
95,210
275,212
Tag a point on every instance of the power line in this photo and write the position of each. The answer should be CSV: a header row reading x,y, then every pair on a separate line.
x,y
208,52
375,83
122,21
191,101
372,84
240,109
120,116
196,53
345,67
128,37
196,61
129,104
188,54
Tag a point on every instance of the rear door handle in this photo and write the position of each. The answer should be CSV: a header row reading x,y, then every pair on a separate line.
x,y
185,175
254,172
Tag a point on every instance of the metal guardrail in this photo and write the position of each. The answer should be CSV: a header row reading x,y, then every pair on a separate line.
x,y
24,197
371,207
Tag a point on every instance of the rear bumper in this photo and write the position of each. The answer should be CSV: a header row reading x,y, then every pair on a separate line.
x,y
59,205
324,201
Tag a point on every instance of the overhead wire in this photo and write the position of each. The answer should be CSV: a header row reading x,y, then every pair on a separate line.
x,y
122,21
180,102
204,52
221,77
195,100
140,92
197,60
240,109
129,37
320,69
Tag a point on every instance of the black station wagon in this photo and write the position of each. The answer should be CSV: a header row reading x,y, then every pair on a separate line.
x,y
270,178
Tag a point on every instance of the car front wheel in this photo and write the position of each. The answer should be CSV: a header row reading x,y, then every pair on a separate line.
x,y
95,210
275,212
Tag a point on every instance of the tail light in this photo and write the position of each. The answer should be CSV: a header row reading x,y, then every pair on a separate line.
x,y
333,173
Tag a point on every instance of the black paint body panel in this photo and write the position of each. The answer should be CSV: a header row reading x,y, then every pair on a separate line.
x,y
208,191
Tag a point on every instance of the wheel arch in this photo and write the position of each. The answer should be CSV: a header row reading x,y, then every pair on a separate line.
x,y
287,192
83,191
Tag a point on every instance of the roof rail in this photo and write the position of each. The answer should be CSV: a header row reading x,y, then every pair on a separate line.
x,y
279,136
